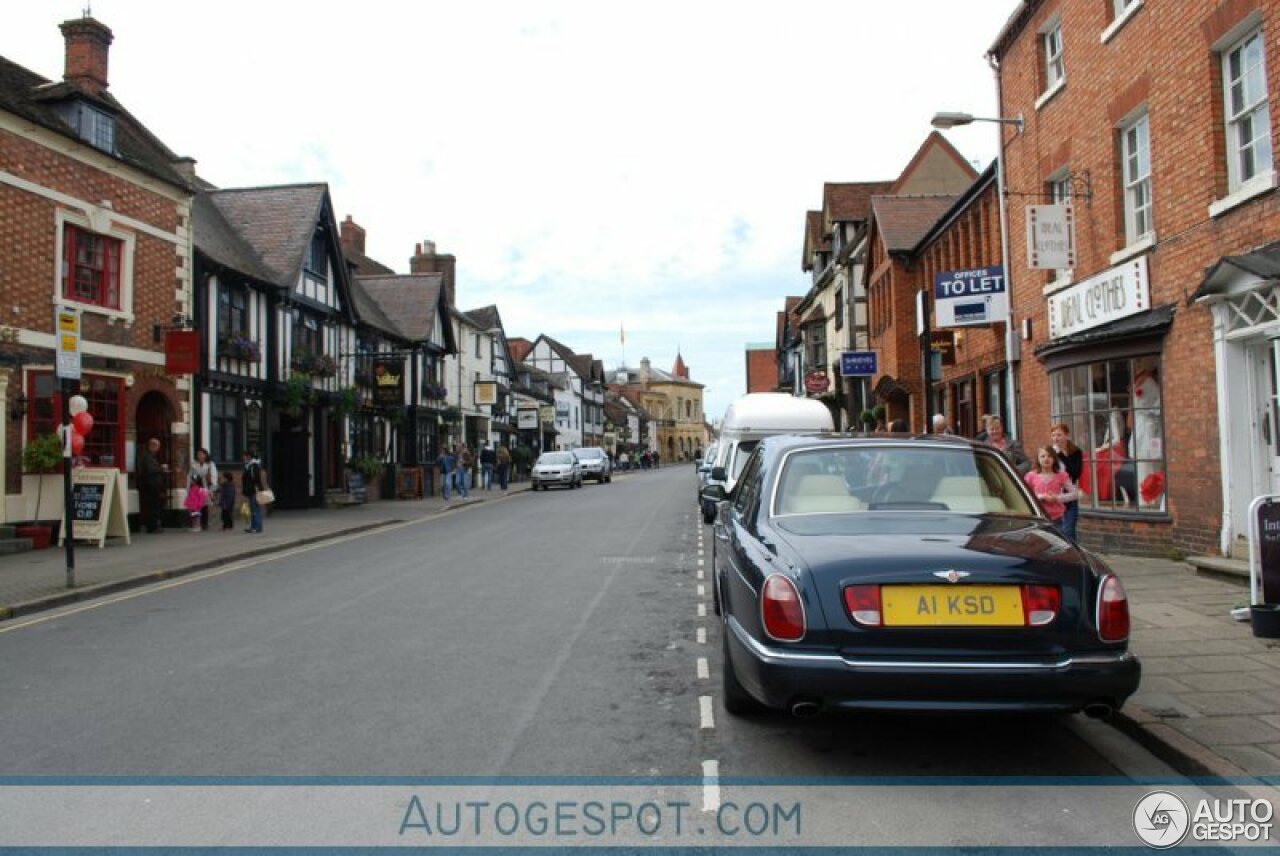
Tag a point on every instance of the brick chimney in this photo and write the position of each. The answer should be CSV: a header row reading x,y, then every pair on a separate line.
x,y
88,43
644,372
426,260
352,236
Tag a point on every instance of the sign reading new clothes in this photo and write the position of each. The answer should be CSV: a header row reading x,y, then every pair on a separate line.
x,y
1109,296
388,382
970,298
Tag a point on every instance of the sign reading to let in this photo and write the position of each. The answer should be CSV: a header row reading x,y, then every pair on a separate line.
x,y
1051,236
67,361
970,298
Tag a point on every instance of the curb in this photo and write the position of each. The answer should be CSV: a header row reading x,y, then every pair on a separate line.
x,y
1184,755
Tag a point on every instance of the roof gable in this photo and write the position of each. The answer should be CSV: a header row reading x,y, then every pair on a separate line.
x,y
845,203
277,222
935,168
415,301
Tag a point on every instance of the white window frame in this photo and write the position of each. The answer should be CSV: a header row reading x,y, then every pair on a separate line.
x,y
106,227
1136,178
1055,67
1256,109
1124,10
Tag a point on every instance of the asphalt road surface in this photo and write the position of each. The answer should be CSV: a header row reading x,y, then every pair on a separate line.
x,y
559,633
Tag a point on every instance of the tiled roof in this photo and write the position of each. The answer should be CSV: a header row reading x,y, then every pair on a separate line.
x,y
363,265
30,96
850,202
369,310
814,239
411,299
904,220
216,240
519,349
278,223
486,317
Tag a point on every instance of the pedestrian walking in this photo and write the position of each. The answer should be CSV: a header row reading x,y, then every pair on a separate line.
x,y
1049,482
1072,460
197,501
446,462
465,460
252,481
206,471
488,458
227,501
151,485
504,466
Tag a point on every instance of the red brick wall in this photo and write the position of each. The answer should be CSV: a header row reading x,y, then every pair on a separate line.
x,y
892,287
1162,58
762,370
28,249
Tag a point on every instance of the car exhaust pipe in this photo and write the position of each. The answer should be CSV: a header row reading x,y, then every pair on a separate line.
x,y
1098,710
805,709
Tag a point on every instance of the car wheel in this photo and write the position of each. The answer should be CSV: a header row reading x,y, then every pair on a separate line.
x,y
737,701
715,585
708,517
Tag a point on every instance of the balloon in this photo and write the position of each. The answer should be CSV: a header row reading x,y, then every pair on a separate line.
x,y
82,422
77,404
77,444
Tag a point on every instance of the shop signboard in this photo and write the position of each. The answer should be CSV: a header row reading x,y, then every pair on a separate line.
x,y
943,343
527,418
97,509
547,413
486,392
858,364
1051,236
816,382
1265,512
181,352
388,382
1115,293
970,298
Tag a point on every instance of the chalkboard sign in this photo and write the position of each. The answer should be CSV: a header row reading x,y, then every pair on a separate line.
x,y
1268,522
356,487
97,509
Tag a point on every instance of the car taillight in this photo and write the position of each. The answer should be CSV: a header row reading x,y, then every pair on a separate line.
x,y
1040,604
781,610
1113,611
863,603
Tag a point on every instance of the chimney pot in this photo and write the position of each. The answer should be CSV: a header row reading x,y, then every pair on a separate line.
x,y
88,44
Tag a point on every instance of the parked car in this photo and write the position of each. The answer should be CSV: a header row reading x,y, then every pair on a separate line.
x,y
704,472
595,464
908,574
752,417
556,468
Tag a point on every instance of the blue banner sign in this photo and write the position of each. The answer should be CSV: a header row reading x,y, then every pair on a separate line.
x,y
858,363
965,298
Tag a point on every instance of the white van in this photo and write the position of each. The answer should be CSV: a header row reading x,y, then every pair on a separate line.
x,y
750,419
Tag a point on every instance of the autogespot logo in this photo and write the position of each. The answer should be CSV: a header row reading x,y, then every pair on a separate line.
x,y
1161,819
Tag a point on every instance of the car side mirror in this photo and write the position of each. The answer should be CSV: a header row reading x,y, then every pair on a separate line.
x,y
714,493
719,474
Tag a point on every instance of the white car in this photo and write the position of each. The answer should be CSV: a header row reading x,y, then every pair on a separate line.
x,y
556,468
595,464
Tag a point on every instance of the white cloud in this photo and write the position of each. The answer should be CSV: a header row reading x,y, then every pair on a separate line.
x,y
589,164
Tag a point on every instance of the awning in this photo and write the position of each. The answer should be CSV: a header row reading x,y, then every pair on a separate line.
x,y
1152,322
1262,263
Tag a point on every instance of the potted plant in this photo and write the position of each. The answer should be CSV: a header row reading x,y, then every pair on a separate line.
x,y
41,456
298,393
868,420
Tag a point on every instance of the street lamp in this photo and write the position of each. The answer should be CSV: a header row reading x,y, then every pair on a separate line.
x,y
947,119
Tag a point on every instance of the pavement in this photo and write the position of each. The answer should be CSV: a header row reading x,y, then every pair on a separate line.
x,y
1209,702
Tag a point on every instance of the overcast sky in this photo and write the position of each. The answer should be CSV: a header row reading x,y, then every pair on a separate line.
x,y
593,166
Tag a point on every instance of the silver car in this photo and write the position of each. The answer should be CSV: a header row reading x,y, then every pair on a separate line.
x,y
556,468
595,464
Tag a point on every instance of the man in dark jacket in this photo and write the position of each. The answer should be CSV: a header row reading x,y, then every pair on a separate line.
x,y
151,484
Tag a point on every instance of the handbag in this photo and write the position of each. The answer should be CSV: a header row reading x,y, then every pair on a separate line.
x,y
266,496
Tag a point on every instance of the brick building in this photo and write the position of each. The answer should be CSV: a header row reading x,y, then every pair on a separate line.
x,y
95,214
1157,122
762,367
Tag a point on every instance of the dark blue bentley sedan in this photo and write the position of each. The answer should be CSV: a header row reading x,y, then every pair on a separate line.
x,y
904,573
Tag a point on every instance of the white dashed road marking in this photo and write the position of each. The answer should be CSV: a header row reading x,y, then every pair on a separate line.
x,y
702,636
710,785
702,590
704,705
704,673
702,610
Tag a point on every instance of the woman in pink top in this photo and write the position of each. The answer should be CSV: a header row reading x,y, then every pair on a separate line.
x,y
1048,481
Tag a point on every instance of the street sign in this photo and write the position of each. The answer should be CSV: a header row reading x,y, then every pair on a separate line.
x,y
67,361
858,364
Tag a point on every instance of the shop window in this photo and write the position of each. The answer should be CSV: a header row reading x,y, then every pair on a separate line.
x,y
104,447
91,267
224,428
1114,412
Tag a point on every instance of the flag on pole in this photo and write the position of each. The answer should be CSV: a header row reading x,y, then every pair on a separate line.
x,y
622,334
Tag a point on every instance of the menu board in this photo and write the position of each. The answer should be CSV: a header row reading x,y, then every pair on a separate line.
x,y
356,487
97,508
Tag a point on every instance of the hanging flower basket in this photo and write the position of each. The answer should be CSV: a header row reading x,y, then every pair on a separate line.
x,y
316,365
239,348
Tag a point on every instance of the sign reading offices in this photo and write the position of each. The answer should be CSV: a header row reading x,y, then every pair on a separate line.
x,y
1102,298
969,298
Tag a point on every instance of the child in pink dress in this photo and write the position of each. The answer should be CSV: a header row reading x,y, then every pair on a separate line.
x,y
1048,480
196,499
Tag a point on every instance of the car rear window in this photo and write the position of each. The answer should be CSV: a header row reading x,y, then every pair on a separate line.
x,y
910,477
556,458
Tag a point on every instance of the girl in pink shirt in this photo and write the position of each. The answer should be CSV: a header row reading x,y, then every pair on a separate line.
x,y
1048,481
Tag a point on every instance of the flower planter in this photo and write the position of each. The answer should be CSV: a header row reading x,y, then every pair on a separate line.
x,y
39,533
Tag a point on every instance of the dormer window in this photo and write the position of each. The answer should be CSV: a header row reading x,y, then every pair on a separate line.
x,y
96,127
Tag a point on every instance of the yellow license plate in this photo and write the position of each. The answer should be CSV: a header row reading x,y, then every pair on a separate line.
x,y
951,606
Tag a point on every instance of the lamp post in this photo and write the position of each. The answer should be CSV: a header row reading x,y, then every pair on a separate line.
x,y
943,121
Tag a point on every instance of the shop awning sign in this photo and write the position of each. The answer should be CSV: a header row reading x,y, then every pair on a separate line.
x,y
970,298
1115,293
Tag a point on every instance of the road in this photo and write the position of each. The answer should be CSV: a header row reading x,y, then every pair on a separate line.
x,y
558,633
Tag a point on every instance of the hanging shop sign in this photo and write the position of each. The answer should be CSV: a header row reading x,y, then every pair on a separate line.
x,y
1051,236
816,382
388,382
527,418
943,343
547,413
181,352
1109,296
970,298
486,392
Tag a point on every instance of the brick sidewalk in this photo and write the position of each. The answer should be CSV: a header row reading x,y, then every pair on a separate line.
x,y
1209,702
